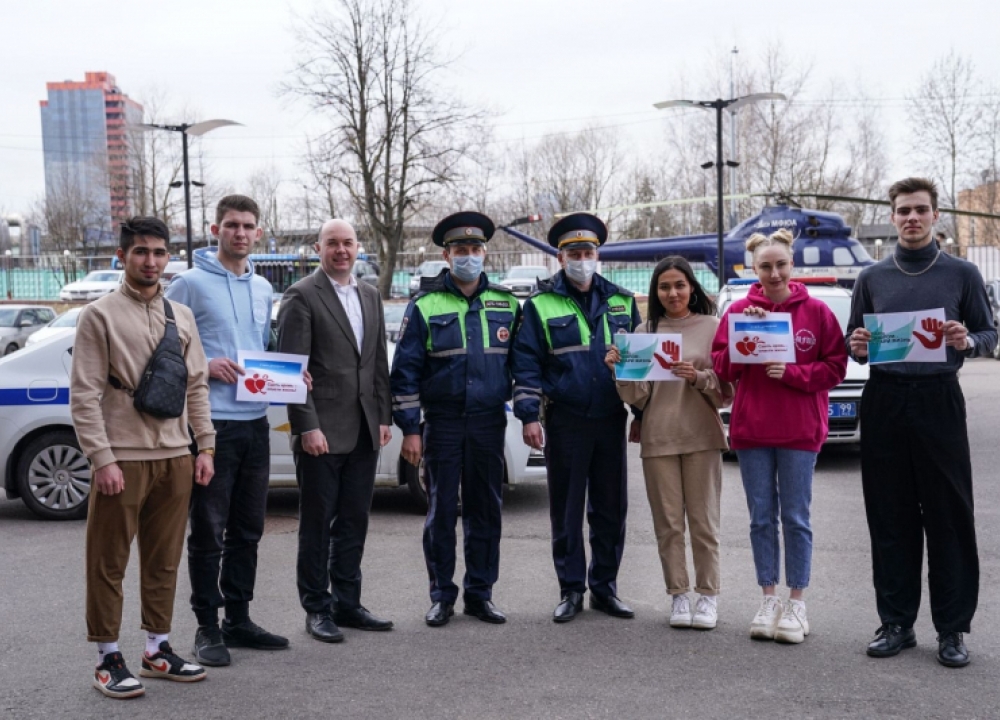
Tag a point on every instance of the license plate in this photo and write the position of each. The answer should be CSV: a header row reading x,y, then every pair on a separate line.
x,y
843,409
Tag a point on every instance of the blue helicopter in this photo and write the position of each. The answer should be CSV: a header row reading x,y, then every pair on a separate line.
x,y
823,245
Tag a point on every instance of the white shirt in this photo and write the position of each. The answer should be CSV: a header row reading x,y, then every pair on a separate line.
x,y
351,302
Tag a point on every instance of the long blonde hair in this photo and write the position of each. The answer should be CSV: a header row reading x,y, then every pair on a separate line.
x,y
780,237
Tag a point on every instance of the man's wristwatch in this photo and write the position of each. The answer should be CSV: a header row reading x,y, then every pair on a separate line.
x,y
207,451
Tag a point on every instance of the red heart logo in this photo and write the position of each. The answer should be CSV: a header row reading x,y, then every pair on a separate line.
x,y
741,346
260,384
751,346
251,385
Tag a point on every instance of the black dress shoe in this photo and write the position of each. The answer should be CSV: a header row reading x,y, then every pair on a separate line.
x,y
890,639
439,614
360,619
485,610
611,605
951,650
322,627
567,609
248,634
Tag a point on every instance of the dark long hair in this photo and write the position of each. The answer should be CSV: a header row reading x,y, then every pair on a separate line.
x,y
699,303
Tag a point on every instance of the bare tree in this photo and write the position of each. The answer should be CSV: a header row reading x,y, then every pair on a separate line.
x,y
372,67
945,116
263,186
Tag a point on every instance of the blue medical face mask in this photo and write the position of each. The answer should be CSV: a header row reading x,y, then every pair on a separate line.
x,y
467,267
581,271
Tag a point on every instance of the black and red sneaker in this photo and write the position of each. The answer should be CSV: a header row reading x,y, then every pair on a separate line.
x,y
164,664
114,680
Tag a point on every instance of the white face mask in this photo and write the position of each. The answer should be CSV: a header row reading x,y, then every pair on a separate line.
x,y
467,267
581,271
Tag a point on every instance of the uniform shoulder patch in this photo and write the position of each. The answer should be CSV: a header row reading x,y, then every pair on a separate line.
x,y
498,304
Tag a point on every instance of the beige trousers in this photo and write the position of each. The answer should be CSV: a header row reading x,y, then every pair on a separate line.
x,y
691,485
154,507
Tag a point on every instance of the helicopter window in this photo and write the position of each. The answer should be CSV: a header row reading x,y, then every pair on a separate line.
x,y
860,253
842,256
810,256
748,258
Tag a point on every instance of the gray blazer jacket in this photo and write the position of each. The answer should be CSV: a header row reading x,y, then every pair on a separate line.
x,y
348,387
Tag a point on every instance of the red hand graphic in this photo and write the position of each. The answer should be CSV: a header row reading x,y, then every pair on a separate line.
x,y
671,354
935,328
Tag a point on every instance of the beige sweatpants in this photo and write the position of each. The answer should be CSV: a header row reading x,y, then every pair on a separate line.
x,y
691,485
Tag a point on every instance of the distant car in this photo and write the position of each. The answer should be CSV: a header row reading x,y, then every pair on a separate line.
x,y
365,271
96,284
173,267
18,322
394,312
845,399
41,462
522,280
427,269
61,324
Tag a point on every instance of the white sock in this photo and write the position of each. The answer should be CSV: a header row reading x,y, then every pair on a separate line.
x,y
105,649
153,643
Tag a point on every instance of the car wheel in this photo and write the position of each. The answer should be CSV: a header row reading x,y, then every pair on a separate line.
x,y
53,476
10,349
414,478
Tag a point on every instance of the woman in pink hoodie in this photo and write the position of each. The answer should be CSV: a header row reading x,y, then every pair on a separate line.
x,y
777,426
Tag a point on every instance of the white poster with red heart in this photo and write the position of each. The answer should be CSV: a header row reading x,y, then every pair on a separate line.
x,y
757,340
647,357
274,378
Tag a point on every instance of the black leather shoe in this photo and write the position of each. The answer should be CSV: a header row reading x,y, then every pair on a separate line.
x,y
439,614
360,619
951,650
890,639
485,610
611,605
322,627
248,634
567,609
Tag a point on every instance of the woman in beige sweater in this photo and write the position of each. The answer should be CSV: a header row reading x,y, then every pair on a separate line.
x,y
681,437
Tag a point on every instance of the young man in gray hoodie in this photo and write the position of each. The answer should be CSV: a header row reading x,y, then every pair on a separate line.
x,y
232,307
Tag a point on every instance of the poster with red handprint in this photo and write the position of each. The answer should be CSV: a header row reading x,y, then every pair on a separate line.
x,y
647,357
274,378
916,336
754,340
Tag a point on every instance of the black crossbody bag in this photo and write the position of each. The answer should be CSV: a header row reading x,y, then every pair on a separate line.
x,y
162,390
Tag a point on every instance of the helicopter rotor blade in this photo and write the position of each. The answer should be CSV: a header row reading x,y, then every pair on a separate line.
x,y
873,201
655,203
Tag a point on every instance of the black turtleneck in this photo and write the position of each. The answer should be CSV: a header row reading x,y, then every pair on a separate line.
x,y
950,283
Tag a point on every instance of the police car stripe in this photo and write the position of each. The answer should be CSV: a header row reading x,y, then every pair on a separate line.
x,y
447,353
34,396
569,349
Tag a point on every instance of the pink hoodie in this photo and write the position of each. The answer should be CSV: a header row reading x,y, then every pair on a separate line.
x,y
790,413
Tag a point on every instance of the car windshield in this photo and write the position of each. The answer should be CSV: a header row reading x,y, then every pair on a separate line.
x,y
102,276
431,268
520,273
7,317
67,319
394,312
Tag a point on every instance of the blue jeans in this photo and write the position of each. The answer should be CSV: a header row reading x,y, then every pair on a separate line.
x,y
778,483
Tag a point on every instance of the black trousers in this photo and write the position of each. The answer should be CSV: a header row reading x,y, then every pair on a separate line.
x,y
917,480
585,458
335,499
464,452
227,521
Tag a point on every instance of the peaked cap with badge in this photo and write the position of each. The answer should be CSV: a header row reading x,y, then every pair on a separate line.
x,y
578,230
463,228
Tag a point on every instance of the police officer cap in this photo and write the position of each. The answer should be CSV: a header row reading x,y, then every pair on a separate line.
x,y
580,230
463,228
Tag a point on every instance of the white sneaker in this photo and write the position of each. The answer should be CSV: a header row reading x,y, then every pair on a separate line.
x,y
793,626
766,619
680,613
706,613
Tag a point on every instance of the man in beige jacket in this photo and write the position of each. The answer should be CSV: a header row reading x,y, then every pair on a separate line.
x,y
142,465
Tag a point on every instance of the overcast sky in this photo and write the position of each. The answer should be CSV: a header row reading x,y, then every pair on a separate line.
x,y
547,65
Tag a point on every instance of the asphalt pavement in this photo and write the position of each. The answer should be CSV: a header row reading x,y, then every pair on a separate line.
x,y
593,667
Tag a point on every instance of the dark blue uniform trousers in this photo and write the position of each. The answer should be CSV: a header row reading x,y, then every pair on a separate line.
x,y
463,453
585,458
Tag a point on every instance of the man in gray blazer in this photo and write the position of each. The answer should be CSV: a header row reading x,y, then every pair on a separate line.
x,y
337,433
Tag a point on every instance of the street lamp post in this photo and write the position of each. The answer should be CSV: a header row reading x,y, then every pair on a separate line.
x,y
185,129
878,248
719,105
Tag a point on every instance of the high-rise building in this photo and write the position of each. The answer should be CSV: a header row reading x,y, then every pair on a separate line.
x,y
86,146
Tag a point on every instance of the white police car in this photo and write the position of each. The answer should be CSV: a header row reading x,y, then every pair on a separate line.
x,y
41,462
845,399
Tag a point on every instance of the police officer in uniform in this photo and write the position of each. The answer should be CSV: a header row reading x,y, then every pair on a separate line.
x,y
558,362
452,361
